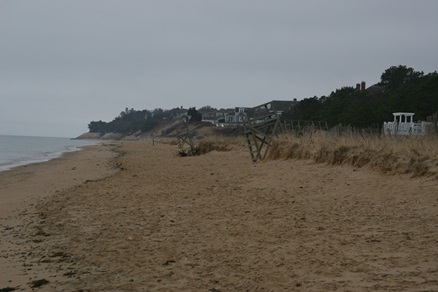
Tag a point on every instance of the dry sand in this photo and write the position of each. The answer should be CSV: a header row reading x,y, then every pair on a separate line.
x,y
216,222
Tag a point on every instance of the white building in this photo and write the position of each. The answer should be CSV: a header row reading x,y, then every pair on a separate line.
x,y
237,117
404,125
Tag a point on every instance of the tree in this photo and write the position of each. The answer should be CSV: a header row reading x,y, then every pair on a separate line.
x,y
308,109
148,125
207,109
97,127
194,114
396,76
158,114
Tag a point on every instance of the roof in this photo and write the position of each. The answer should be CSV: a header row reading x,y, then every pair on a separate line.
x,y
403,114
278,105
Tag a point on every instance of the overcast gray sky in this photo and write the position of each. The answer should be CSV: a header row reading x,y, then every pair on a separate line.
x,y
66,63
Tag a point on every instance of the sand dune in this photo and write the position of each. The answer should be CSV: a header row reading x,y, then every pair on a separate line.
x,y
218,222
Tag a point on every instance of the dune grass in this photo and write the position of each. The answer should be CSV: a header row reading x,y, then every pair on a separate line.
x,y
219,143
412,155
415,155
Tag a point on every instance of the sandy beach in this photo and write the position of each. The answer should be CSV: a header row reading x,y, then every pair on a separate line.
x,y
144,219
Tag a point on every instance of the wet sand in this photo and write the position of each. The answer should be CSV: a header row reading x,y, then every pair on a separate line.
x,y
216,222
26,187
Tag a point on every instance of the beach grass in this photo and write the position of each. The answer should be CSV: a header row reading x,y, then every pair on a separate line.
x,y
415,155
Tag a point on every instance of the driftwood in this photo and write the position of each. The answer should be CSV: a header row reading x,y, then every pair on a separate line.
x,y
185,142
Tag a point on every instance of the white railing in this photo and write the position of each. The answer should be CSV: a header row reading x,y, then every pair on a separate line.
x,y
406,129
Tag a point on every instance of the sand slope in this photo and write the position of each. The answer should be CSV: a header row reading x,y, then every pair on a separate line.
x,y
218,222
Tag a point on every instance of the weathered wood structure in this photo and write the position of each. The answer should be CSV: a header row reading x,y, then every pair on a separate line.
x,y
259,133
185,142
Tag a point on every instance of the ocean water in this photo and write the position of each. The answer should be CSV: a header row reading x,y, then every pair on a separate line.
x,y
21,150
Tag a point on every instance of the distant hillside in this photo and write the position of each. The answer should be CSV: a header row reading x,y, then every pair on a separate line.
x,y
164,127
401,89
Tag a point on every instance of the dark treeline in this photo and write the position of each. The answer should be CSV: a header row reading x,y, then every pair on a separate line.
x,y
401,89
131,121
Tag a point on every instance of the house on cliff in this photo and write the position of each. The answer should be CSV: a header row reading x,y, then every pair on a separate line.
x,y
274,106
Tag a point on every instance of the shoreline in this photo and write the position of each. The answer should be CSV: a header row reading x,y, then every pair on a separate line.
x,y
23,187
218,222
41,156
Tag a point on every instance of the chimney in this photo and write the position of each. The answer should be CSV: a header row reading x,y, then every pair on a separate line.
x,y
362,86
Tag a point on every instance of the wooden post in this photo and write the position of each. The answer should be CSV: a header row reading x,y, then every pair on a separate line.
x,y
435,122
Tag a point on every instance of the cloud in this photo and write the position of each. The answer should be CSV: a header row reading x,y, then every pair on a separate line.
x,y
94,58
